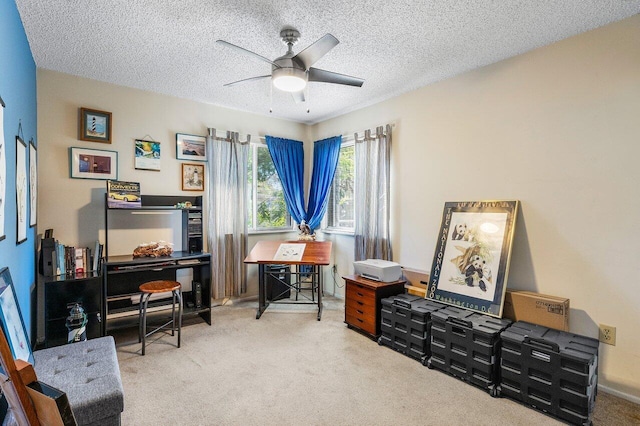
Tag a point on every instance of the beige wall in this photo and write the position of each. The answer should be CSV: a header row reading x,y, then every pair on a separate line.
x,y
74,208
557,129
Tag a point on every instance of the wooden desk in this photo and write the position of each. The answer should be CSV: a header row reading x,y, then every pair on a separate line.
x,y
316,254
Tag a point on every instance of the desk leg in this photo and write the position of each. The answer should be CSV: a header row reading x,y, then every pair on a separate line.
x,y
320,287
262,291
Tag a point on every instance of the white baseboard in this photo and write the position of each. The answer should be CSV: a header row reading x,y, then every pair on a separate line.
x,y
617,393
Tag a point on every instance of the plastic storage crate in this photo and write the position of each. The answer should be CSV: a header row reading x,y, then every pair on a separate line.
x,y
405,324
551,370
466,344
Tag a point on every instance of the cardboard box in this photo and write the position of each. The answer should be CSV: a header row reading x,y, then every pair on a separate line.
x,y
414,278
536,308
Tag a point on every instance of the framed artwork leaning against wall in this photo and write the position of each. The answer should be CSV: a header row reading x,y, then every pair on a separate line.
x,y
471,262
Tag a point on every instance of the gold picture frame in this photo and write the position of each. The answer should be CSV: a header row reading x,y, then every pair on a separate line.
x,y
192,177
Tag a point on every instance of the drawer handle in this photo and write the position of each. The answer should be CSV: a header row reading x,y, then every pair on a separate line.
x,y
359,303
359,311
360,294
359,320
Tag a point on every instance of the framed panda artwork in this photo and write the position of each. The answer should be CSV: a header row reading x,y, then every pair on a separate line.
x,y
471,262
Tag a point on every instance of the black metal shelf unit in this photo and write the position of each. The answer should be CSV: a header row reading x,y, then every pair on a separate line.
x,y
123,274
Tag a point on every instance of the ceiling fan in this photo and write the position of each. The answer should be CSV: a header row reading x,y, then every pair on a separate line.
x,y
292,71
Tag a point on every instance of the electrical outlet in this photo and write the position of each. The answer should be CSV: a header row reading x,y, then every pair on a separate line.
x,y
607,334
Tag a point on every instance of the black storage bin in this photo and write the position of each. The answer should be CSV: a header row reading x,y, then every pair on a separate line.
x,y
405,324
466,344
551,370
278,281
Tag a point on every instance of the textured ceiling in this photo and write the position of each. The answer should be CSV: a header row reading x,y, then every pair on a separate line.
x,y
168,46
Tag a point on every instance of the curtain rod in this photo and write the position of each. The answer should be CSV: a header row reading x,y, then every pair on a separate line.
x,y
230,136
348,136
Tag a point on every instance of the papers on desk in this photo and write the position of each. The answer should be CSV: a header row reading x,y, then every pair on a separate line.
x,y
290,252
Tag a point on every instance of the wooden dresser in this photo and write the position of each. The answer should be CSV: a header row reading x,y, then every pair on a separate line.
x,y
362,302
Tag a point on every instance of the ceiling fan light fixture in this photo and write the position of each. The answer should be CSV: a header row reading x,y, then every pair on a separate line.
x,y
289,79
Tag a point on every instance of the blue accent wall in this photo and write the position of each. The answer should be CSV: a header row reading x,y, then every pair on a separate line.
x,y
18,91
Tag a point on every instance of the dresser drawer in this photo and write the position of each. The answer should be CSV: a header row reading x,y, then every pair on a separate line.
x,y
361,295
357,308
365,322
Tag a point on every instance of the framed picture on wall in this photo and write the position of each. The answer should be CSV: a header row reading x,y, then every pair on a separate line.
x,y
95,126
11,319
471,262
192,177
93,163
22,186
33,183
191,147
3,171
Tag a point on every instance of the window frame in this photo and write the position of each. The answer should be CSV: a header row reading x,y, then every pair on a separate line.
x,y
326,226
252,196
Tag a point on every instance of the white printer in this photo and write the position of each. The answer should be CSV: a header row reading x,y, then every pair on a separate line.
x,y
377,269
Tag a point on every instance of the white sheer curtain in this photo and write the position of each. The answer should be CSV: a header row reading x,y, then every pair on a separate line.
x,y
227,207
372,185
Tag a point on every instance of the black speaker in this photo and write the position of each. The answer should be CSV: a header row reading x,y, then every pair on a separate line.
x,y
278,282
47,251
197,294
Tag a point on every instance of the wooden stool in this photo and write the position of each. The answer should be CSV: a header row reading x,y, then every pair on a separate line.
x,y
160,286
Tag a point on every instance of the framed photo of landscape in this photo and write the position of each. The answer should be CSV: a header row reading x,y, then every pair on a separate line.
x,y
191,147
471,261
93,163
95,126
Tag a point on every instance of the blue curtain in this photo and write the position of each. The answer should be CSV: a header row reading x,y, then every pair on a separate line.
x,y
325,162
288,158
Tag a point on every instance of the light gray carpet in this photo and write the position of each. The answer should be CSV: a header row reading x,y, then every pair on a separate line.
x,y
287,368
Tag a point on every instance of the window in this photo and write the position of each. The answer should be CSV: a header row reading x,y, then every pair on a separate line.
x,y
267,208
340,212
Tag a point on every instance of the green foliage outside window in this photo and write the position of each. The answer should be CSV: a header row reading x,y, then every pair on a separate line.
x,y
266,199
341,207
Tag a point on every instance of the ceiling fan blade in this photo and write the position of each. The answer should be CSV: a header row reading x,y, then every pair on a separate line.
x,y
324,76
298,96
317,50
247,79
247,52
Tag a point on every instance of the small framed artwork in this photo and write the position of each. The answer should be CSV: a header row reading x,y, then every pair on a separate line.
x,y
33,183
147,156
3,171
95,126
192,177
21,190
471,262
11,319
93,163
191,147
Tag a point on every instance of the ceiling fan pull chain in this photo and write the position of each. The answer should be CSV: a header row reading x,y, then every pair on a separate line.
x,y
270,98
